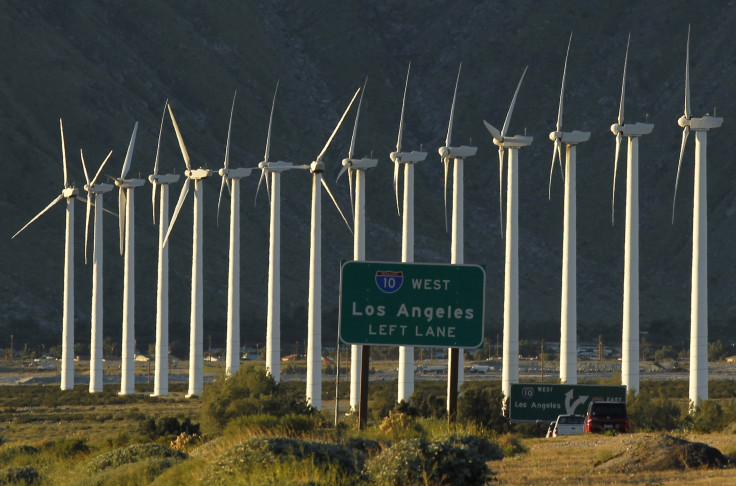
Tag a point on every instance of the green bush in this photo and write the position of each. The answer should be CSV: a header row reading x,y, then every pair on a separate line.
x,y
426,401
9,452
27,475
647,414
139,473
167,428
291,424
68,447
130,454
482,403
249,391
710,416
418,462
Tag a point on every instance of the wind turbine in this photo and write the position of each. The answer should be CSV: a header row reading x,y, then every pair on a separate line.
x,y
699,290
231,178
314,312
568,312
459,154
161,372
196,363
357,166
630,328
68,192
406,353
510,373
95,191
126,220
272,171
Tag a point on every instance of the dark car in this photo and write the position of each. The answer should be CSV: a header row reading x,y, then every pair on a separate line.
x,y
604,416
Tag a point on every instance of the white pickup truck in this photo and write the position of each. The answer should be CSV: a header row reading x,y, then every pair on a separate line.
x,y
568,425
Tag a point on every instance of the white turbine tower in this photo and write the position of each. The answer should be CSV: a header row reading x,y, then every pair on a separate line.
x,y
68,192
314,312
196,319
358,166
271,171
568,311
231,178
406,353
630,327
126,220
699,290
95,191
510,370
161,371
459,154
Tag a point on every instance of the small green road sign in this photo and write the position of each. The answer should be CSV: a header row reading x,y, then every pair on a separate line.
x,y
412,304
541,402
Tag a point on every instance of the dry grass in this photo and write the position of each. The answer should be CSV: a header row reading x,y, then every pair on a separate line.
x,y
570,460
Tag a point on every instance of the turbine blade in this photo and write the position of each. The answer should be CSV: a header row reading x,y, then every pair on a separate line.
x,y
352,203
558,144
513,102
102,166
258,188
179,204
219,199
158,145
63,153
153,200
623,85
227,145
562,90
615,171
401,120
493,131
448,139
129,153
334,132
687,76
551,170
86,226
84,167
342,171
122,215
334,201
685,133
51,204
270,121
446,161
500,188
357,117
396,185
183,147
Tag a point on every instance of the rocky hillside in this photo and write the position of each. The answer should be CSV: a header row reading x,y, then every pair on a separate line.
x,y
102,66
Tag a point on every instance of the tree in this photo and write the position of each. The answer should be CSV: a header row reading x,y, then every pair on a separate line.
x,y
716,351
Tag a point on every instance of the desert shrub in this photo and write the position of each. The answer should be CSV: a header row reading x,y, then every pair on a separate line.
x,y
260,452
249,391
382,399
418,462
511,445
67,447
130,454
167,428
399,426
710,416
483,404
290,424
647,414
9,452
426,401
27,475
185,442
138,473
487,450
364,446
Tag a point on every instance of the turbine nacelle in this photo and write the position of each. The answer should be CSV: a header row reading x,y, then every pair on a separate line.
x,y
407,157
70,191
279,166
633,130
316,167
197,174
235,173
100,188
570,138
129,183
517,141
163,179
360,164
703,123
461,152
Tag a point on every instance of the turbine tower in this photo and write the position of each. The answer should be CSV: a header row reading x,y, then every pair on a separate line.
x,y
126,220
699,290
459,154
94,190
359,167
68,192
231,178
510,370
406,353
314,312
568,311
271,171
161,372
630,328
196,319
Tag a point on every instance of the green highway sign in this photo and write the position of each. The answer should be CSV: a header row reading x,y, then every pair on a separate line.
x,y
541,402
412,304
